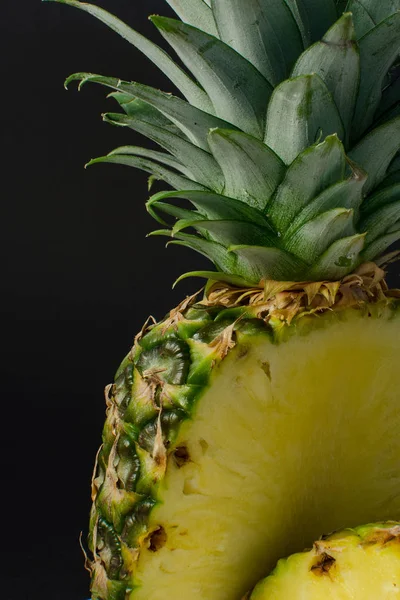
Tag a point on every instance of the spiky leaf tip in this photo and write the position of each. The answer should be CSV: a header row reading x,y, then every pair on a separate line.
x,y
284,157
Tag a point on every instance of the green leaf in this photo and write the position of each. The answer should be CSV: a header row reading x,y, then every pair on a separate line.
x,y
363,22
390,97
395,164
391,179
314,17
232,232
393,174
215,276
218,254
336,60
345,194
182,224
237,90
378,247
381,198
174,211
301,112
389,115
259,30
252,171
214,206
189,89
341,258
134,107
378,223
375,152
204,168
341,6
394,227
197,13
379,10
316,169
194,123
314,237
161,157
158,171
256,263
378,50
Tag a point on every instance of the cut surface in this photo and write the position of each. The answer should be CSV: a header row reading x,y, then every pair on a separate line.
x,y
360,564
288,441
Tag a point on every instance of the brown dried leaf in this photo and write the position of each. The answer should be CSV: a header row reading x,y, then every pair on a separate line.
x,y
224,341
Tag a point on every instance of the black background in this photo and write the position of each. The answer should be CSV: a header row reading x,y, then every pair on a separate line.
x,y
78,280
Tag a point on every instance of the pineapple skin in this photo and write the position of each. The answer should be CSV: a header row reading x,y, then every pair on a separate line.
x,y
355,564
143,486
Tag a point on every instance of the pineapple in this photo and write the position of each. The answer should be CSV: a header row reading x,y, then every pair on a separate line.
x,y
266,411
354,564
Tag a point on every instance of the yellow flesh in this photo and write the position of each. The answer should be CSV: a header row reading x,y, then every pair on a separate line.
x,y
277,458
359,572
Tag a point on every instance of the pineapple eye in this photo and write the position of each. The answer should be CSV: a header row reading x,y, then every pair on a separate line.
x,y
168,361
109,547
170,421
128,468
157,539
208,333
181,456
136,521
323,564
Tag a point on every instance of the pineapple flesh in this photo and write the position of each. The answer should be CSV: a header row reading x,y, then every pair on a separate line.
x,y
354,564
247,422
310,443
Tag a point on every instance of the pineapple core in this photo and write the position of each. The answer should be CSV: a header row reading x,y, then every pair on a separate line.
x,y
289,440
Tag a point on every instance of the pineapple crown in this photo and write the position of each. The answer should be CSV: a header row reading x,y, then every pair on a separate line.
x,y
286,145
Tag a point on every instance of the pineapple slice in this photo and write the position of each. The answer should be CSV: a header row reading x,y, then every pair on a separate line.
x,y
286,437
354,564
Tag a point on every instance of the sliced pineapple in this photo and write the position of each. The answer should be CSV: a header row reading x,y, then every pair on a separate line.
x,y
354,564
284,438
